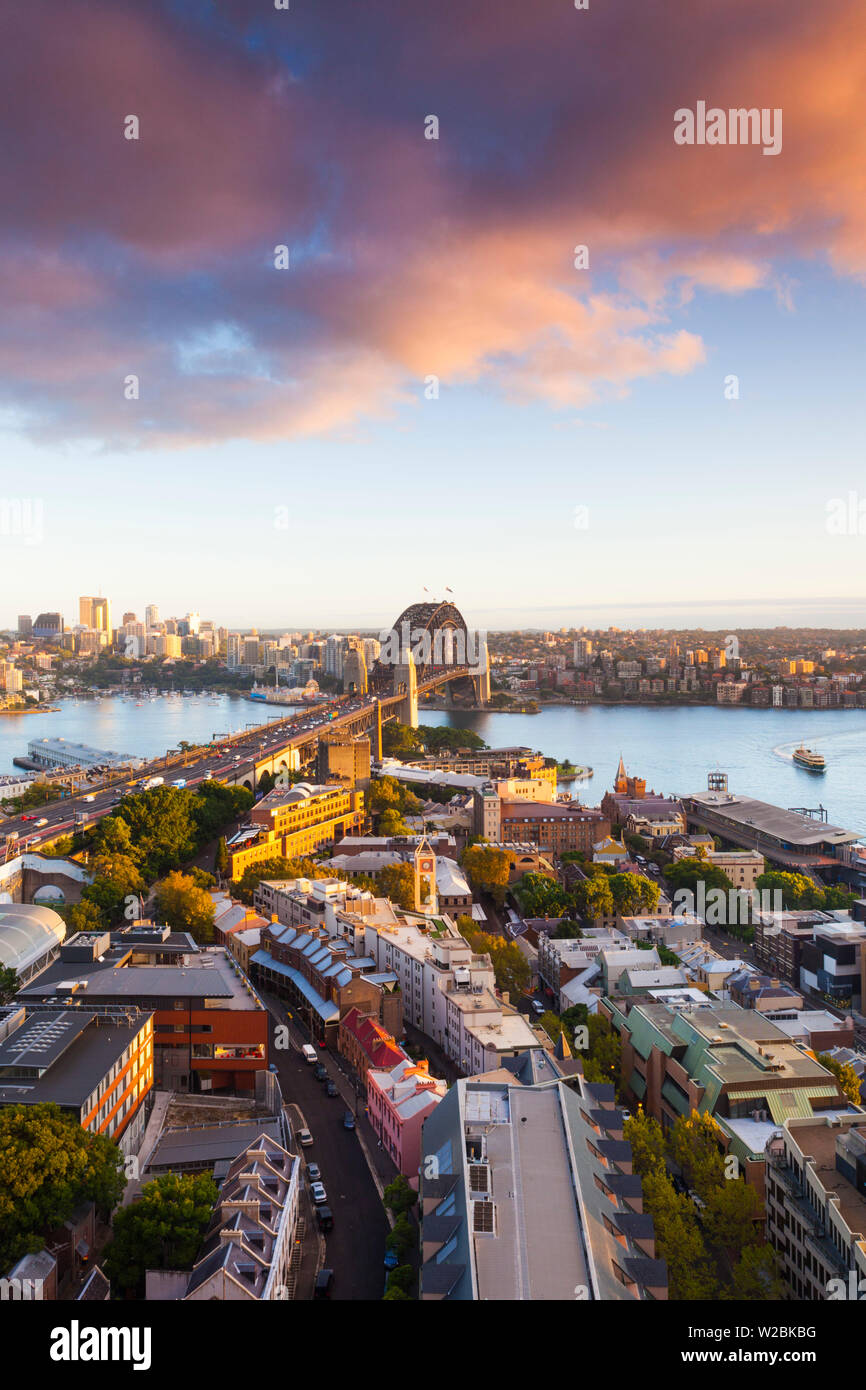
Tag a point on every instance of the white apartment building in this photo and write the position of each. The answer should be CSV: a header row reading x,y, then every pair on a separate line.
x,y
816,1210
448,993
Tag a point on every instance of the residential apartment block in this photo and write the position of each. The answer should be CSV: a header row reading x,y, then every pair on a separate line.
x,y
816,1205
96,1066
733,1063
248,1247
527,1192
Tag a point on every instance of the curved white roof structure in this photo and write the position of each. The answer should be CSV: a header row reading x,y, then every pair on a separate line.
x,y
27,934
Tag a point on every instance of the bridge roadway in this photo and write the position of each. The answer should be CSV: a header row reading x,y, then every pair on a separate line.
x,y
237,759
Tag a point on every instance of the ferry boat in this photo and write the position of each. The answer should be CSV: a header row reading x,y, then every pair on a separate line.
x,y
813,762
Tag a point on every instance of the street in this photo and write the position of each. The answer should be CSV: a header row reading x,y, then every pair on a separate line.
x,y
355,1248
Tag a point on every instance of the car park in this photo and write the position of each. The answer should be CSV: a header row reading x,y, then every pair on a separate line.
x,y
319,1194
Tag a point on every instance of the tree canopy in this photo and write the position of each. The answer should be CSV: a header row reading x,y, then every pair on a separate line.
x,y
162,1230
48,1165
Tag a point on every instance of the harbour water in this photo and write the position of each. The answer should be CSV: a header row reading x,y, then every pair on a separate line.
x,y
673,748
145,727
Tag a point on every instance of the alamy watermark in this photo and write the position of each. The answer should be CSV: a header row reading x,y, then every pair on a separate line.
x,y
21,519
735,126
447,646
737,907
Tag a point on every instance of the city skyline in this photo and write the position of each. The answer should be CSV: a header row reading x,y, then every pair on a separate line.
x,y
685,397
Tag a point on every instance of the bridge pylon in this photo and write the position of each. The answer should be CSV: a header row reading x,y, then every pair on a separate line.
x,y
406,684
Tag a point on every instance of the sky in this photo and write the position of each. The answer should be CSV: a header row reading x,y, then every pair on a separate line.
x,y
431,393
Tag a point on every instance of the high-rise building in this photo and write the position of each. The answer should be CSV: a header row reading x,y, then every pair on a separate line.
x,y
582,651
151,616
25,625
129,618
95,613
193,621
48,625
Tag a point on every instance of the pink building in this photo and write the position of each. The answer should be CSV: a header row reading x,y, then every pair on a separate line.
x,y
399,1101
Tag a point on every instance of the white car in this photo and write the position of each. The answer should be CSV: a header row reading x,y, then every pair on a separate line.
x,y
43,820
320,1196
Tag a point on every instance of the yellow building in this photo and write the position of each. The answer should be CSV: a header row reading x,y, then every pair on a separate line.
x,y
297,822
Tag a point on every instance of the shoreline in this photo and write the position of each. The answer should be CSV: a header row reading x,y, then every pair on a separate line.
x,y
29,709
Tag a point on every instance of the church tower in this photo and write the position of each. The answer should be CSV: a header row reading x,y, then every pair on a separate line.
x,y
621,780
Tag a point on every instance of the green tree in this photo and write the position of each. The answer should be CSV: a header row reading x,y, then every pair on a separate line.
x,y
797,890
48,1165
755,1276
392,823
647,1140
398,1196
162,1230
221,862
678,1241
594,898
540,895
399,740
116,877
402,1239
214,806
633,894
182,904
693,1144
487,869
511,969
568,930
84,916
603,1059
731,1210
244,888
8,984
393,1294
162,827
848,1080
397,882
402,1278
688,873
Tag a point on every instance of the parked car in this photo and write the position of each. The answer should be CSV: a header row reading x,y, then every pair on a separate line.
x,y
331,1089
324,1283
320,1196
536,1007
314,1172
321,1072
305,1138
325,1218
348,1120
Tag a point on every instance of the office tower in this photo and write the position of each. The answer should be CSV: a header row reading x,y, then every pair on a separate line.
x,y
48,625
129,618
151,615
95,613
25,625
193,622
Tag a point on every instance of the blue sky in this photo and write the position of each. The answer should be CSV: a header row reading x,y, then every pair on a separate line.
x,y
558,389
